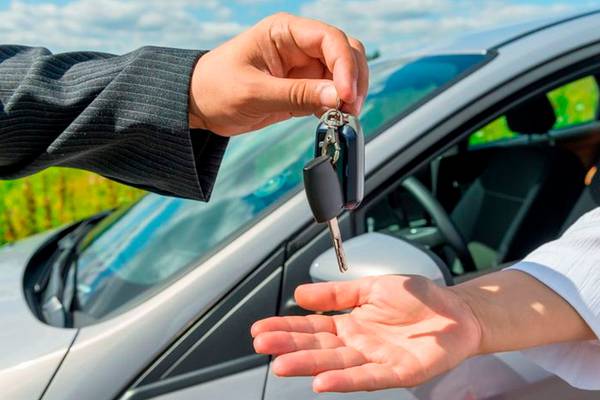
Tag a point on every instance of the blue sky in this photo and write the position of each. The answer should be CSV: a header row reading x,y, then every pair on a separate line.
x,y
390,26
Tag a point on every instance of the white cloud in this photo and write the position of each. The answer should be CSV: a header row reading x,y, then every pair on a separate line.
x,y
117,25
382,10
252,2
122,25
393,26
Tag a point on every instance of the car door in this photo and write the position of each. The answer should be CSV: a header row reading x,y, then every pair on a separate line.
x,y
503,375
479,377
214,357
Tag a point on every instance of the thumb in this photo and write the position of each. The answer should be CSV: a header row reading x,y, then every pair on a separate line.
x,y
298,96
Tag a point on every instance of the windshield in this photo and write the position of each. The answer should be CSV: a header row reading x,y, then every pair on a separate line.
x,y
138,249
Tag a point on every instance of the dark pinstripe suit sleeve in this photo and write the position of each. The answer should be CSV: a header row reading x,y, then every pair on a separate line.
x,y
124,117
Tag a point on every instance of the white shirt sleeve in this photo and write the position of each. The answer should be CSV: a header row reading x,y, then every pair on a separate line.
x,y
570,266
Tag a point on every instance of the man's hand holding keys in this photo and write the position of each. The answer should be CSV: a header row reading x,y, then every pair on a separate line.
x,y
282,67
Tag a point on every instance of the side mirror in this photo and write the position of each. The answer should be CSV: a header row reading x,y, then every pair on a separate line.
x,y
375,254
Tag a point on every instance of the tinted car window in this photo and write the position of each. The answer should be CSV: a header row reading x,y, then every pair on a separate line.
x,y
574,103
139,249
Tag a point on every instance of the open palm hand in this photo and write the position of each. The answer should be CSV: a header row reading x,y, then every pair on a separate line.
x,y
402,331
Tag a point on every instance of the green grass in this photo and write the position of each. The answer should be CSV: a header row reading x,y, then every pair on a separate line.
x,y
55,197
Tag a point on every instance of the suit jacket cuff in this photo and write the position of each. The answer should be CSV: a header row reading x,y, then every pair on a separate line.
x,y
208,149
190,158
154,148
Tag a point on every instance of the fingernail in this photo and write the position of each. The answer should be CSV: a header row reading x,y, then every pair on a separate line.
x,y
328,96
354,87
317,383
277,368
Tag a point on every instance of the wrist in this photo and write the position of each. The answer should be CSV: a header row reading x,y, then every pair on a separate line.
x,y
196,119
515,311
472,304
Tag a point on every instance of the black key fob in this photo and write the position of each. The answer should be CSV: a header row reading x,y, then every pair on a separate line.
x,y
350,164
322,189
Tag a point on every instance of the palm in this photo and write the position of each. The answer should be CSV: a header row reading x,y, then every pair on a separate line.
x,y
402,331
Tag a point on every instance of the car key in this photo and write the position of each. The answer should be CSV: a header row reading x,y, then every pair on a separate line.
x,y
326,201
343,131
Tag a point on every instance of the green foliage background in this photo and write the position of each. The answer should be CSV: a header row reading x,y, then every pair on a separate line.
x,y
58,196
55,197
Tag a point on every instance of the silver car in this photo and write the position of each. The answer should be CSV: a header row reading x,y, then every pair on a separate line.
x,y
478,151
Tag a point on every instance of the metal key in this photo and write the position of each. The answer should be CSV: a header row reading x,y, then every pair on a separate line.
x,y
325,198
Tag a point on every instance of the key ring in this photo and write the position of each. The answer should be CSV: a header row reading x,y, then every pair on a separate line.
x,y
333,118
328,140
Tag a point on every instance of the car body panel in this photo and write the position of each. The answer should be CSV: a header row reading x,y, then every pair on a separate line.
x,y
247,385
134,335
31,350
483,40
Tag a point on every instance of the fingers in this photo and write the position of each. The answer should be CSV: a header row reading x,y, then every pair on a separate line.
x,y
307,324
305,50
313,362
277,343
300,96
331,45
365,377
333,296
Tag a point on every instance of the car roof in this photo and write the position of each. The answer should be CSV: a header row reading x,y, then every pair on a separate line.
x,y
484,40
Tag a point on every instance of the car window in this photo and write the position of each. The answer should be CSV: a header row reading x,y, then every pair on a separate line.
x,y
132,254
574,103
502,201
